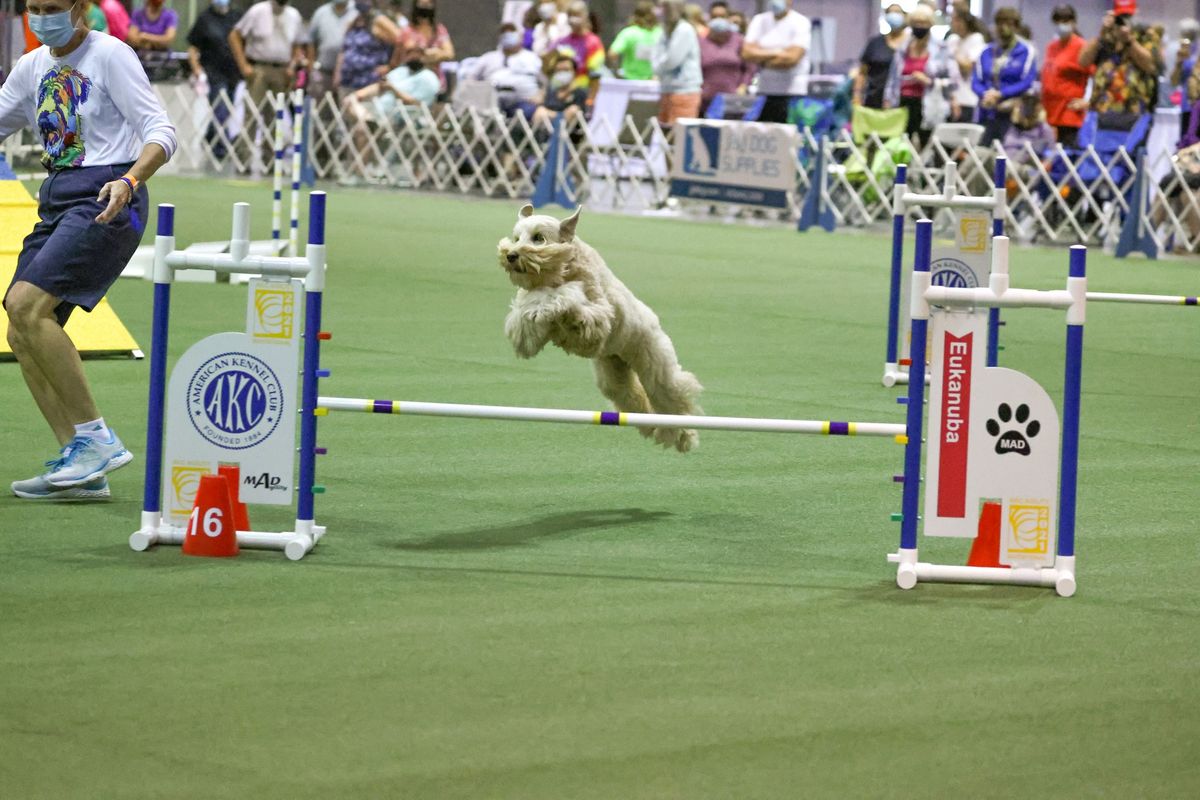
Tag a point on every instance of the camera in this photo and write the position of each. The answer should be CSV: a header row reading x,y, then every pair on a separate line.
x,y
1122,21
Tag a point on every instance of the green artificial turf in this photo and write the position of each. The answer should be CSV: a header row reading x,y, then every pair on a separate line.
x,y
541,611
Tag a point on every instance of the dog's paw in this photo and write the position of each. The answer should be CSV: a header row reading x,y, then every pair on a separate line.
x,y
681,439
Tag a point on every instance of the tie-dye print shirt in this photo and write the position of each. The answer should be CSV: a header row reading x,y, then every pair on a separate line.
x,y
91,107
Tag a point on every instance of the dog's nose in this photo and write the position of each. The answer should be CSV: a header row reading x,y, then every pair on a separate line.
x,y
512,258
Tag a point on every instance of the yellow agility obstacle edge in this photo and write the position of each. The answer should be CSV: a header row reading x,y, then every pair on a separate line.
x,y
100,333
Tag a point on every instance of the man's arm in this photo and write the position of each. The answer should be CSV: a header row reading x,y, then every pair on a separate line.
x,y
786,58
194,60
238,48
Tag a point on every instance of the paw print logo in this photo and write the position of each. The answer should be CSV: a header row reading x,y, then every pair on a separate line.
x,y
1013,440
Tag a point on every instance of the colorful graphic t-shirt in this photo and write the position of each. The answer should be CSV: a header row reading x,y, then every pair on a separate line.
x,y
588,52
1119,85
92,107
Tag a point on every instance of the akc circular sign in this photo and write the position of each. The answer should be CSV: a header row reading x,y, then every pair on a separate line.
x,y
234,400
953,273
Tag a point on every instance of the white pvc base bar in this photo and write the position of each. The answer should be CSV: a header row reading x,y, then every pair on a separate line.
x,y
910,572
295,544
818,427
894,375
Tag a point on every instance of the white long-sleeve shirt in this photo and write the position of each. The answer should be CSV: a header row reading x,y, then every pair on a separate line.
x,y
677,61
92,107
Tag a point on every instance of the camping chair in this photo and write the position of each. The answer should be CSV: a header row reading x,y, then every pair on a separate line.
x,y
889,126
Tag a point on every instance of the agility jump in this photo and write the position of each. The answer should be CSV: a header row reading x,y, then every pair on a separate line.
x,y
228,401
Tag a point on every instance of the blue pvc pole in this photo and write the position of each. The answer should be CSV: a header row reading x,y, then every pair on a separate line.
x,y
1069,475
999,179
893,334
916,402
312,361
155,404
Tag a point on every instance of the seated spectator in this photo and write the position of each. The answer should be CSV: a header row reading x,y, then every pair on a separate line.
x,y
564,95
677,62
1127,60
1029,127
875,63
721,62
586,47
1064,81
366,49
94,15
424,32
632,51
1006,70
918,76
552,26
514,72
152,34
117,18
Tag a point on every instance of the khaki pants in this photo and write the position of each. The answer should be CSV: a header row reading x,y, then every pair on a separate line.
x,y
267,78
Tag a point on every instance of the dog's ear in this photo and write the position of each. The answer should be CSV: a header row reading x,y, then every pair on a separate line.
x,y
566,228
526,211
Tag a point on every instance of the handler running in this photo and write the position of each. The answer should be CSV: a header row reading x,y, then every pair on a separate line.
x,y
104,134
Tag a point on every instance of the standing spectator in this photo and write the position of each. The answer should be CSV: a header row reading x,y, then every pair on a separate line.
x,y
694,14
367,47
1064,81
528,24
266,44
424,32
514,72
1127,60
552,26
209,55
396,14
117,17
778,41
1185,67
721,62
326,31
967,40
94,15
914,76
632,51
152,34
587,48
677,62
718,9
1006,70
875,63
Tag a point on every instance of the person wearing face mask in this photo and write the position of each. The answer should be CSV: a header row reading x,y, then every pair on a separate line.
x,y
209,56
587,47
965,44
919,70
721,62
1128,61
563,95
1064,81
103,134
677,64
876,61
152,34
632,51
514,72
367,46
326,32
430,36
117,18
1006,70
778,41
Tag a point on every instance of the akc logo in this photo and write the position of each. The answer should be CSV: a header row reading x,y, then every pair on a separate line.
x,y
952,273
234,400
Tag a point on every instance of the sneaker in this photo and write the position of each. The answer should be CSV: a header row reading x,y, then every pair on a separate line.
x,y
40,489
85,459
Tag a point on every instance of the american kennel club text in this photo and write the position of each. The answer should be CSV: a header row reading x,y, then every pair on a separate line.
x,y
235,400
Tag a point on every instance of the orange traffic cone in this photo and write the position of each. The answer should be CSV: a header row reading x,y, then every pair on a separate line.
x,y
985,550
210,529
233,475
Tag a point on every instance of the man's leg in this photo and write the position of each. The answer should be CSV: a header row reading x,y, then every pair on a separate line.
x,y
49,361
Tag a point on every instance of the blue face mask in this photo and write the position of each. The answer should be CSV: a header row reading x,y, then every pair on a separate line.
x,y
778,6
894,20
53,30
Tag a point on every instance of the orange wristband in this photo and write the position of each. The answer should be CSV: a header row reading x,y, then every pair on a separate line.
x,y
129,179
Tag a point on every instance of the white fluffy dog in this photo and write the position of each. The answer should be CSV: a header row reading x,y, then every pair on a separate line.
x,y
569,296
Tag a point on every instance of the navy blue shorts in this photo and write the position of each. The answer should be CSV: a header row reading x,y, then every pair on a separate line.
x,y
71,256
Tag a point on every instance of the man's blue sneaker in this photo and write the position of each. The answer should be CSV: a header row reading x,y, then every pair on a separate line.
x,y
85,459
40,489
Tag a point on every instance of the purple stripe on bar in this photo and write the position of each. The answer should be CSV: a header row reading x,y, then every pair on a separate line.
x,y
897,479
839,428
1190,301
320,450
610,418
382,407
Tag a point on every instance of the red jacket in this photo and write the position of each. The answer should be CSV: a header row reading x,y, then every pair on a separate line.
x,y
1064,80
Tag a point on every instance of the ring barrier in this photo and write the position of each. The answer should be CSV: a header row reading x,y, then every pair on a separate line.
x,y
232,400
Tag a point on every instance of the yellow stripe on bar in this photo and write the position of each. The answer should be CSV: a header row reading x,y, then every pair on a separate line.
x,y
902,439
852,428
320,412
